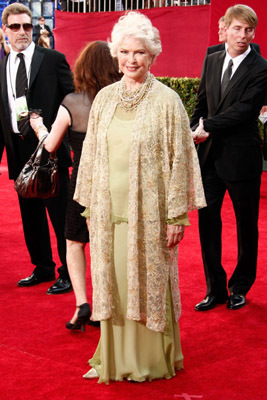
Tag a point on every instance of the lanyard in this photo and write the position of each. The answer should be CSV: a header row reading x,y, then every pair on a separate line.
x,y
10,80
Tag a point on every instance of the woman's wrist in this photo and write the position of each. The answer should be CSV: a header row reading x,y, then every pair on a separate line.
x,y
41,131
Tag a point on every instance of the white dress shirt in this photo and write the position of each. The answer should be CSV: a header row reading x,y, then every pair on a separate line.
x,y
11,73
236,61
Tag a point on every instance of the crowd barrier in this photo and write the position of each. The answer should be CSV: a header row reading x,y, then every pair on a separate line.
x,y
120,5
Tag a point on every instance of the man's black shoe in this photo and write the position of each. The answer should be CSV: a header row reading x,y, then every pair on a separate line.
x,y
236,301
61,286
208,303
35,280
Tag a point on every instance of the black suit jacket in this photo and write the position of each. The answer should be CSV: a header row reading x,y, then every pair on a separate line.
x,y
221,46
50,82
1,128
232,120
37,32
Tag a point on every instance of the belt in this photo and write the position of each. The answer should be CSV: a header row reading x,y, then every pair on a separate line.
x,y
18,135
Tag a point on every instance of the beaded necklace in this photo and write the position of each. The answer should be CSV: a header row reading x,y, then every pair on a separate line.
x,y
130,99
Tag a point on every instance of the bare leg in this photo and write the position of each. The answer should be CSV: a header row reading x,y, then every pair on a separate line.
x,y
76,262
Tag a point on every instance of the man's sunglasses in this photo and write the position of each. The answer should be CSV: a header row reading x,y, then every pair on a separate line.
x,y
16,27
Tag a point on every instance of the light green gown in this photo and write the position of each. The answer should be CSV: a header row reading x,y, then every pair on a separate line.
x,y
128,349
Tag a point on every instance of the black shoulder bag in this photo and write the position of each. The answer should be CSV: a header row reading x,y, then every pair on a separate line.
x,y
37,181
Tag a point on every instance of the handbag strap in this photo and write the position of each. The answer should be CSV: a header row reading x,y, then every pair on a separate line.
x,y
36,156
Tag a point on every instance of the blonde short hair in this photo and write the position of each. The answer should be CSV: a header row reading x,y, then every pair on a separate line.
x,y
241,12
138,26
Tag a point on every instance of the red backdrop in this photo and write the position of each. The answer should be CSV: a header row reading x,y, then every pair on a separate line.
x,y
185,33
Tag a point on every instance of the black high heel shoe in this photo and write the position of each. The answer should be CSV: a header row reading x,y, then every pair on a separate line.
x,y
83,318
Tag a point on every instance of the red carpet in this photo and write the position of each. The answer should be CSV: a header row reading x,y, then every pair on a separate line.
x,y
225,351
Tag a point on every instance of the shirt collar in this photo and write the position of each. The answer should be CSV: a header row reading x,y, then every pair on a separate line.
x,y
28,53
238,59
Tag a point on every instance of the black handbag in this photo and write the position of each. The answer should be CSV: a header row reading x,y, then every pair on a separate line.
x,y
37,181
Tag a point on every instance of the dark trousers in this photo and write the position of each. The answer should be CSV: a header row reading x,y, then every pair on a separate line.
x,y
245,197
36,230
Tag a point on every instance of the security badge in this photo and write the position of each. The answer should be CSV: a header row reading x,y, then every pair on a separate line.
x,y
21,108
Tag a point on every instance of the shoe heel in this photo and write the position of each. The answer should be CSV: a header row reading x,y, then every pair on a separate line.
x,y
83,318
83,327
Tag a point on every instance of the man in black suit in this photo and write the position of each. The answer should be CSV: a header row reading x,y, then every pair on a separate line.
x,y
48,79
40,28
230,97
223,46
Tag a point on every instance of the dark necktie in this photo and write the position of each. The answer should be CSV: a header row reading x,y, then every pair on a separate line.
x,y
21,89
226,77
21,78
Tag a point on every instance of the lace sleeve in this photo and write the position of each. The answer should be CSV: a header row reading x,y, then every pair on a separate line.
x,y
78,106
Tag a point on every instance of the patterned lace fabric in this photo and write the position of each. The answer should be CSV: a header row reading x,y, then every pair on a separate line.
x,y
164,183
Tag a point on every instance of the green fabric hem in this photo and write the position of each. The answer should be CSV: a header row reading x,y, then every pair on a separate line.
x,y
86,213
131,377
180,220
118,220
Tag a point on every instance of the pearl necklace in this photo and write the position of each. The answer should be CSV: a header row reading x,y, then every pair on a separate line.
x,y
130,99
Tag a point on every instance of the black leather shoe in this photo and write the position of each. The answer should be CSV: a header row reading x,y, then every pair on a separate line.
x,y
61,286
208,303
236,301
35,280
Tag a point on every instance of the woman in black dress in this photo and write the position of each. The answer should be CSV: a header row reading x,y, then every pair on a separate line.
x,y
94,69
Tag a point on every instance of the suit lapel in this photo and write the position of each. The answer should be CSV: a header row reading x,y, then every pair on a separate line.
x,y
217,76
37,60
215,71
3,78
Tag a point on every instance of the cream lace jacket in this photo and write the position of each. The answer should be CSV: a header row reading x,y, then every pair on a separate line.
x,y
164,182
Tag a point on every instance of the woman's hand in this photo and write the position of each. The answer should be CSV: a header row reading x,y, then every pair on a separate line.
x,y
200,135
88,224
37,124
36,121
175,234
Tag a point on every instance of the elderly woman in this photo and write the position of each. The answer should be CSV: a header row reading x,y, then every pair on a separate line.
x,y
138,178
